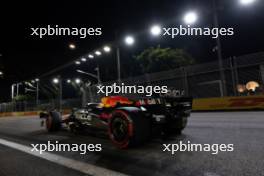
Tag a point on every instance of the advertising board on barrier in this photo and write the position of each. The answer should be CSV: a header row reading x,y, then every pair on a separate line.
x,y
229,103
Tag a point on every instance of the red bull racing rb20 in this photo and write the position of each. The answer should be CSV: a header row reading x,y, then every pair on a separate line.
x,y
127,122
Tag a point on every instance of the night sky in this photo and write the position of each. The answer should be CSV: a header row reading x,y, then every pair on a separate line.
x,y
26,57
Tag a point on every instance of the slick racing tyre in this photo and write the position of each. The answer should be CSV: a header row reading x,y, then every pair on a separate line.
x,y
174,127
53,121
128,129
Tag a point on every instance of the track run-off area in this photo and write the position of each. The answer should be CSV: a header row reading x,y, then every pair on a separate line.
x,y
245,130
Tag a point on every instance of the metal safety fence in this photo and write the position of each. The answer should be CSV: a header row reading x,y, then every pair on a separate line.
x,y
203,80
22,106
198,81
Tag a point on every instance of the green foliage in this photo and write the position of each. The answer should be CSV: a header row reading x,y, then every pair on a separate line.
x,y
155,59
23,98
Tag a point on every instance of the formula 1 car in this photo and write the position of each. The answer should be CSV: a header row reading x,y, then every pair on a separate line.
x,y
127,122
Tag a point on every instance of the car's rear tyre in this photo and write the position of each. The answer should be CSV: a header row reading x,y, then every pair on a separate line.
x,y
128,129
175,127
53,121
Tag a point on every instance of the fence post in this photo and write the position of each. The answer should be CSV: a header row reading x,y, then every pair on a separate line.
x,y
25,106
90,94
236,72
262,73
84,95
147,78
233,76
185,79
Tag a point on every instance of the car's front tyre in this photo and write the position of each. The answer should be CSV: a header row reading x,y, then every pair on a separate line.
x,y
53,121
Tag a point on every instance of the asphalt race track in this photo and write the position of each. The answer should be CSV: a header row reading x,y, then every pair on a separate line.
x,y
243,129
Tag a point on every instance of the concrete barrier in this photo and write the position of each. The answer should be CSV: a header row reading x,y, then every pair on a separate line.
x,y
203,104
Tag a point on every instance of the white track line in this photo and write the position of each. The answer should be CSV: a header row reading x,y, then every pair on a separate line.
x,y
70,163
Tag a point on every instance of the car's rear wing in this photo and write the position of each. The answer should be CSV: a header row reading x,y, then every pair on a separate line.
x,y
176,105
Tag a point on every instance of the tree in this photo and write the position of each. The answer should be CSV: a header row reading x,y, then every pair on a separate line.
x,y
155,59
23,98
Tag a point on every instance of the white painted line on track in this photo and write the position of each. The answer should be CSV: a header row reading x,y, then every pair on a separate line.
x,y
67,162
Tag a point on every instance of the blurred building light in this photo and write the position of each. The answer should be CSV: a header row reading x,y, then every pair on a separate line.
x,y
252,86
241,88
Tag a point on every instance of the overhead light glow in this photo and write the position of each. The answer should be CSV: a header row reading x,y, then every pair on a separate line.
x,y
91,56
68,81
107,49
129,40
98,53
155,30
37,79
1,73
190,18
83,59
55,80
72,46
77,62
247,2
77,81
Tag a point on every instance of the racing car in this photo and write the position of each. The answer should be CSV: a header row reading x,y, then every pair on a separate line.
x,y
127,122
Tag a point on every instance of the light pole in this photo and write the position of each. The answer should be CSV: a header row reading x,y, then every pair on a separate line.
x,y
129,40
60,95
118,64
17,89
58,81
37,91
90,74
13,91
97,69
106,49
33,88
13,94
189,19
219,52
18,84
1,72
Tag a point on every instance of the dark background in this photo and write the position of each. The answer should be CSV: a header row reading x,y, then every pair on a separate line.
x,y
25,57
